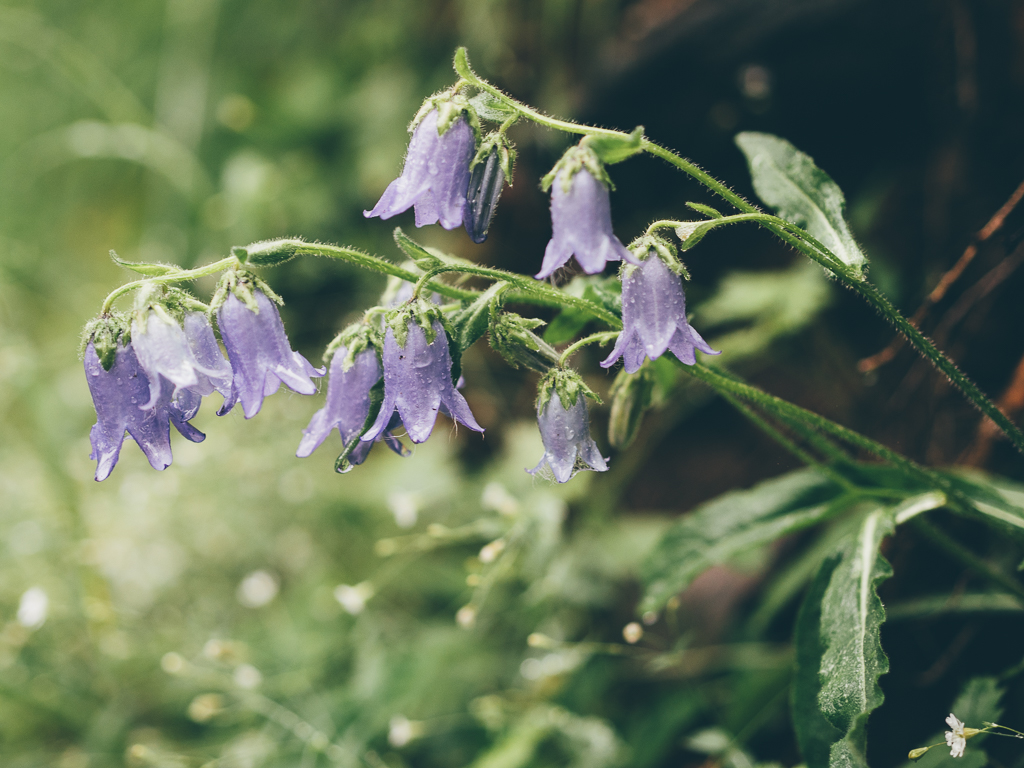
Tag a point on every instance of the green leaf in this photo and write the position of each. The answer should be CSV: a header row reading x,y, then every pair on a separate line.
x,y
491,107
853,660
732,524
800,192
469,324
150,270
999,504
707,210
615,149
566,326
814,733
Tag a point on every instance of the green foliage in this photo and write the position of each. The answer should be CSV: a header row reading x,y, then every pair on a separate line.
x,y
789,181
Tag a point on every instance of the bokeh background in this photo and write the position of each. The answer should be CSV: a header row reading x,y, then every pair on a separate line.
x,y
246,608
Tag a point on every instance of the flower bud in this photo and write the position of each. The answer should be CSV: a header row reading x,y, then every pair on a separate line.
x,y
488,172
631,397
513,337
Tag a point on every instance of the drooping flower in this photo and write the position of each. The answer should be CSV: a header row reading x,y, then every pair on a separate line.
x,y
654,317
418,375
261,356
349,399
436,174
169,353
565,430
117,395
581,218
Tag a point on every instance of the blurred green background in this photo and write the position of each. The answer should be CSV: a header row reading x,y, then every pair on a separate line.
x,y
246,608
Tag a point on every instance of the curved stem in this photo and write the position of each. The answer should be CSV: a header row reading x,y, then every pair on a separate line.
x,y
428,277
600,338
464,71
181,276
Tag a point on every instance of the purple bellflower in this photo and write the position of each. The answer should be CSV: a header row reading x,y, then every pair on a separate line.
x,y
348,406
654,317
581,218
418,376
436,174
117,395
186,358
260,354
568,446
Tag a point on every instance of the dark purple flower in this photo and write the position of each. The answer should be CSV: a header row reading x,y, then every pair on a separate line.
x,y
485,184
186,358
654,317
418,384
261,357
568,446
581,224
435,176
117,395
348,406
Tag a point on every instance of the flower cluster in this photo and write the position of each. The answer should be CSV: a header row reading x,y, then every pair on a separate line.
x,y
153,371
393,371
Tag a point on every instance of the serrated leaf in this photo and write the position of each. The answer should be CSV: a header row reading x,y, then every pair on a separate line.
x,y
853,659
150,270
788,180
814,733
732,524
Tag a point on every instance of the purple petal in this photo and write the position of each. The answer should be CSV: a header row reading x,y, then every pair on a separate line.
x,y
567,441
348,400
260,354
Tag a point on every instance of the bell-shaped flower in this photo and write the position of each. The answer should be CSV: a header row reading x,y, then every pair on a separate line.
x,y
349,399
186,358
261,356
117,395
418,375
436,174
581,218
654,317
565,431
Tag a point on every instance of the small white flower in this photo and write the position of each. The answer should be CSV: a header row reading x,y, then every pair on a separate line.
x,y
956,740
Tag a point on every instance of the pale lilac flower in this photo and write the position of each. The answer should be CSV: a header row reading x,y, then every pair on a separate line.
x,y
581,224
348,406
260,354
435,177
117,395
654,317
568,446
418,384
169,353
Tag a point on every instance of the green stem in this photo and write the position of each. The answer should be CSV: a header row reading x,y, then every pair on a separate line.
x,y
464,71
968,558
769,429
429,276
181,276
787,410
601,338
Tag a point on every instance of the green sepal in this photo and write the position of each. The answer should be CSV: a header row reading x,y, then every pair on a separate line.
x,y
572,162
513,337
355,338
449,107
150,270
241,282
268,253
632,395
650,245
615,149
105,332
707,210
470,323
497,141
420,311
568,384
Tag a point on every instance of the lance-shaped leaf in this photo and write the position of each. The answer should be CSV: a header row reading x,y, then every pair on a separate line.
x,y
150,270
853,660
735,523
800,192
